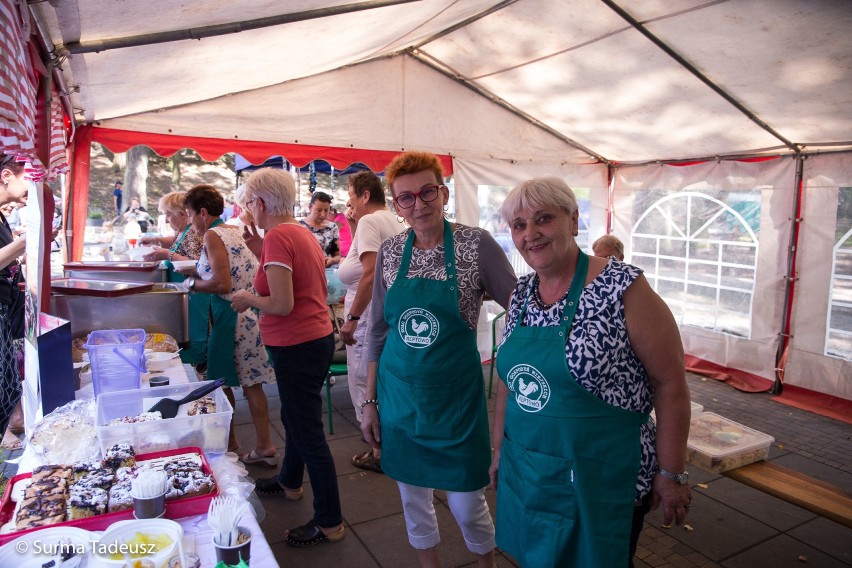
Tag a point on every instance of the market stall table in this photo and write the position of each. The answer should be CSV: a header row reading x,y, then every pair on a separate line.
x,y
197,533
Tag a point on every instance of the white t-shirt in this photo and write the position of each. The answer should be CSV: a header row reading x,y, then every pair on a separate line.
x,y
372,230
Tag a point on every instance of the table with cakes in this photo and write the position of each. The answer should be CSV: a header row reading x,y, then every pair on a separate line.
x,y
123,477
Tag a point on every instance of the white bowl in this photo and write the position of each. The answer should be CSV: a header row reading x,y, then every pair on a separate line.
x,y
137,253
122,532
158,360
41,546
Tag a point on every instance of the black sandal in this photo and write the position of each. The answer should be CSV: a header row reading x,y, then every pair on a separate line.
x,y
271,486
367,461
310,534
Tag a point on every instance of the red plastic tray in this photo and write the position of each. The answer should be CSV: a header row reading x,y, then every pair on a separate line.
x,y
175,508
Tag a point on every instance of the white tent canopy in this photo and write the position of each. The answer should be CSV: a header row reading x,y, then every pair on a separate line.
x,y
600,92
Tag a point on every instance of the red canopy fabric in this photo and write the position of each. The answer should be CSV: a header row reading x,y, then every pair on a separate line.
x,y
210,149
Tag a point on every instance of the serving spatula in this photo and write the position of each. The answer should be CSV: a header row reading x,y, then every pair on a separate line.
x,y
168,407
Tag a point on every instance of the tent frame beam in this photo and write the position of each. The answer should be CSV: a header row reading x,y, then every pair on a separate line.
x,y
228,28
698,74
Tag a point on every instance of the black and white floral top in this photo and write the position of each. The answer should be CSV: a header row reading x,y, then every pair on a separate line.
x,y
481,266
326,236
598,351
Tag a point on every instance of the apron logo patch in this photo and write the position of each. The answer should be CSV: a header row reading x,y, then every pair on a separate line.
x,y
529,387
418,328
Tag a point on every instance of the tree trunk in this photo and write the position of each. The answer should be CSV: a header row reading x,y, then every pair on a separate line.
x,y
137,175
175,164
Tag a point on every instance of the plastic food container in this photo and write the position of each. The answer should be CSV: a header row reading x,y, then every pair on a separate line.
x,y
718,444
117,359
206,431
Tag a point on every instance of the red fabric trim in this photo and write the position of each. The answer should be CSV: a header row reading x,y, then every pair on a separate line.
x,y
816,402
740,380
80,189
254,151
756,159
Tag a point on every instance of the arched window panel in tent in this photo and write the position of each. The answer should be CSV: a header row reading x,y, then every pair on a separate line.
x,y
699,252
838,333
490,199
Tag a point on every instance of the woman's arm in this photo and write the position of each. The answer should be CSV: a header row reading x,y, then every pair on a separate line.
x,y
220,267
496,272
656,341
497,432
280,300
13,250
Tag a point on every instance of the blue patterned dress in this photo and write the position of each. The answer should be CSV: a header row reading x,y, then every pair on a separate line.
x,y
250,357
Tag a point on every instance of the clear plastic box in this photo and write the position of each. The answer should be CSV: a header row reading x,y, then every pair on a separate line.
x,y
718,444
117,357
206,431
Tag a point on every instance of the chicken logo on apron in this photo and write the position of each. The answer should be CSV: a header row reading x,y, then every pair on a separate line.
x,y
418,328
529,387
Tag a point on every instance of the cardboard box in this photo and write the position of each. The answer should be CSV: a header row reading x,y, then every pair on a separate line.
x,y
718,444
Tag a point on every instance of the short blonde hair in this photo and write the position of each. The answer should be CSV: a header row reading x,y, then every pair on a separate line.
x,y
276,187
172,202
537,193
610,242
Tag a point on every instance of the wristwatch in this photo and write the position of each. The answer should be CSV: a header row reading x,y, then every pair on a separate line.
x,y
679,478
350,317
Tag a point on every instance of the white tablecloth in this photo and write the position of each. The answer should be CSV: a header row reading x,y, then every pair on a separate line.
x,y
198,536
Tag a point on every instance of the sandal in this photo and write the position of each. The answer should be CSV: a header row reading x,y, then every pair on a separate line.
x,y
311,534
252,458
271,486
367,461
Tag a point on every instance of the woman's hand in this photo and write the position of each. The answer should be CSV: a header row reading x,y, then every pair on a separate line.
x,y
145,241
675,498
253,240
495,467
241,299
347,332
370,426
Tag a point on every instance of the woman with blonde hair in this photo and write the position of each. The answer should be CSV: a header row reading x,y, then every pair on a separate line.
x,y
185,244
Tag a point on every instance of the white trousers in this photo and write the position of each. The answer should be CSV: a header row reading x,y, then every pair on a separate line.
x,y
470,510
356,357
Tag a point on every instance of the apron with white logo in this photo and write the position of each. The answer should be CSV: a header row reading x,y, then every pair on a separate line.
x,y
569,461
431,395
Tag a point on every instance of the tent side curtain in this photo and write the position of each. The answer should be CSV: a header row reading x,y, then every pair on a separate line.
x,y
254,151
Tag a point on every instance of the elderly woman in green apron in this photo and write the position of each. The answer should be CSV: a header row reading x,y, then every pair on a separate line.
x,y
424,403
185,244
234,348
588,350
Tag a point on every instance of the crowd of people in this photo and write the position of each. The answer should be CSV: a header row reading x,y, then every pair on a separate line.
x,y
588,350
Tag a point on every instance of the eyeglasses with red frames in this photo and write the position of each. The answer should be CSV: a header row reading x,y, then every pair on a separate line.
x,y
426,194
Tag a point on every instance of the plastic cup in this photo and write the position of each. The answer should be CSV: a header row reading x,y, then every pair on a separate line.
x,y
231,555
159,381
150,508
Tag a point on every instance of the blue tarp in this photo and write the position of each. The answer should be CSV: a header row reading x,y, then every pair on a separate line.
x,y
320,166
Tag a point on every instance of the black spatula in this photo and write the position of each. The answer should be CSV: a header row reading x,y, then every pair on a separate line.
x,y
168,407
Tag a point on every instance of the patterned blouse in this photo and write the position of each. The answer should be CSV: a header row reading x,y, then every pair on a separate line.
x,y
598,351
325,235
475,277
190,246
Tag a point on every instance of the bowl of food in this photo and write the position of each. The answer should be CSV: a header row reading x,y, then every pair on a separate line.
x,y
63,547
158,360
151,540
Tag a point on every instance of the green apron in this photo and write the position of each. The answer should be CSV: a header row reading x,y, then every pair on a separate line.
x,y
569,460
430,386
199,310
